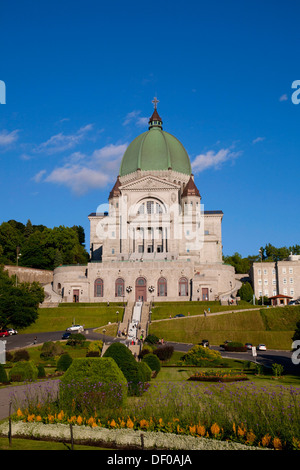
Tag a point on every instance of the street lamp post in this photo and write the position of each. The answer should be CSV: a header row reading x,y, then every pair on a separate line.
x,y
262,283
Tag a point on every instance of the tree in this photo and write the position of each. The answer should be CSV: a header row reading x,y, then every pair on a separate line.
x,y
246,292
18,304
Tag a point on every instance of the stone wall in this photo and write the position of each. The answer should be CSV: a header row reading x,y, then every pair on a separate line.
x,y
30,275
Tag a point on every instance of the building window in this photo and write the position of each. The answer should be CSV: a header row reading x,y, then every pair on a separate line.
x,y
98,288
274,282
283,270
162,287
183,286
291,270
291,280
266,282
274,292
259,272
119,287
273,271
284,280
292,292
265,271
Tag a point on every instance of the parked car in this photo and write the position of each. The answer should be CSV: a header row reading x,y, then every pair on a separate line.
x,y
75,329
4,333
66,335
179,315
248,345
261,347
12,331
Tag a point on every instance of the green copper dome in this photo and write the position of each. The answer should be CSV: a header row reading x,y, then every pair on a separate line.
x,y
155,150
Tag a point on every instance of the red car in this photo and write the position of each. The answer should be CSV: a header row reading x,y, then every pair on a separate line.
x,y
4,333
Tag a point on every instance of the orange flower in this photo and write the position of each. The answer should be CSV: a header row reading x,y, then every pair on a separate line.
x,y
60,415
277,443
215,429
200,430
19,413
79,420
38,418
266,440
241,430
250,437
192,429
129,423
144,423
113,423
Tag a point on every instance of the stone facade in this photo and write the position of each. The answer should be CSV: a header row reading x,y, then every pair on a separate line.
x,y
282,277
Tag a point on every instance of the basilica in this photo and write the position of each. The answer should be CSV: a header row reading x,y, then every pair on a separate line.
x,y
155,242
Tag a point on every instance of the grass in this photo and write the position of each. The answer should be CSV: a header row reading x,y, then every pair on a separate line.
x,y
163,310
274,327
53,319
29,444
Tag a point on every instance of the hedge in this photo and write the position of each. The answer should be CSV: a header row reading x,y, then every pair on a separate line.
x,y
128,365
91,383
152,361
23,371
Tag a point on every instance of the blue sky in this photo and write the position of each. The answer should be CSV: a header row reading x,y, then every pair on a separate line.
x,y
80,77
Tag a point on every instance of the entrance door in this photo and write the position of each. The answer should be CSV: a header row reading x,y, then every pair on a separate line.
x,y
205,293
75,295
140,290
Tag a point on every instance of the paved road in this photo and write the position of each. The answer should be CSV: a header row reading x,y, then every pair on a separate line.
x,y
263,357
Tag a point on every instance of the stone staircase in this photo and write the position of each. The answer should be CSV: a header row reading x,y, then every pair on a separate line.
x,y
135,322
52,299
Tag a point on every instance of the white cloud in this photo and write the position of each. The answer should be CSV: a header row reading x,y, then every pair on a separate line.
x,y
212,159
7,138
258,139
38,177
61,142
134,116
81,172
283,97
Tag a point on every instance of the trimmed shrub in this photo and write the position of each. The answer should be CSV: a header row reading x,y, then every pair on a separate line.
x,y
201,356
21,355
76,339
94,349
235,346
128,365
151,339
164,353
153,362
145,372
9,356
3,374
64,362
41,371
23,371
50,349
90,384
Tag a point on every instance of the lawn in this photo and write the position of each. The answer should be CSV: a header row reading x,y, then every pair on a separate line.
x,y
60,318
274,327
163,310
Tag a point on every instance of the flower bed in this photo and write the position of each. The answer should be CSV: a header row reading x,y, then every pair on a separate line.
x,y
218,376
119,438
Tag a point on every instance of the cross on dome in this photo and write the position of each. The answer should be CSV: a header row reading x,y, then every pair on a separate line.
x,y
155,101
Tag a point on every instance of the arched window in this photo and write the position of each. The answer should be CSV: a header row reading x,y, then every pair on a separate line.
x,y
162,287
119,287
98,288
183,286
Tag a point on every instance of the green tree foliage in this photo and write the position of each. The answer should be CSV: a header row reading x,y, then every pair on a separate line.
x,y
18,304
246,292
41,247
